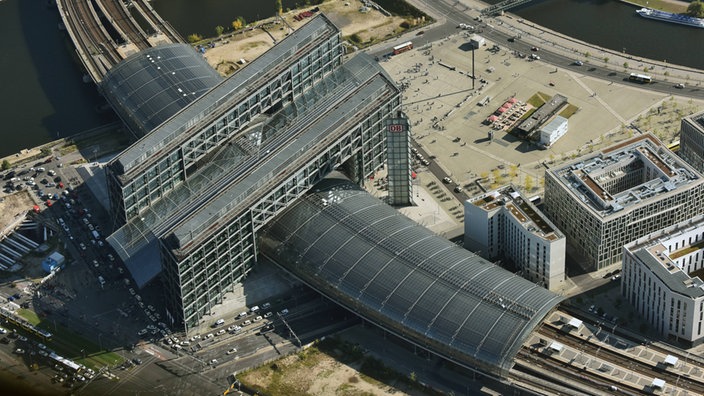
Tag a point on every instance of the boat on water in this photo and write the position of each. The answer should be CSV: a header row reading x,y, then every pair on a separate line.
x,y
671,17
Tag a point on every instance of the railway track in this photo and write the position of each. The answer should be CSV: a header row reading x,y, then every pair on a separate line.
x,y
104,32
156,21
622,360
116,13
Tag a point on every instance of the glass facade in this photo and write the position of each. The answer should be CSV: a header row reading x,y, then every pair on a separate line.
x,y
399,163
130,194
198,279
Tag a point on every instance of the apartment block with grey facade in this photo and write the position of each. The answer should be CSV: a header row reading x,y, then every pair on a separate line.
x,y
692,141
607,199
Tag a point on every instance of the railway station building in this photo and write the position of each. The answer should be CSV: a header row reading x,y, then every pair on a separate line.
x,y
662,279
194,192
377,263
607,199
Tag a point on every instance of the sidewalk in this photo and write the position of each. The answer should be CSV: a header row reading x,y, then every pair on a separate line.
x,y
540,36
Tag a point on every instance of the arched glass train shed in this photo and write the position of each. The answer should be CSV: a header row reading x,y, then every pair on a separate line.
x,y
152,85
376,262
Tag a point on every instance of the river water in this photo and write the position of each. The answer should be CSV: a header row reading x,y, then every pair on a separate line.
x,y
43,95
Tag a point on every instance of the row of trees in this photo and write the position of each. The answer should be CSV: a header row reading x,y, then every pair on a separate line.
x,y
237,24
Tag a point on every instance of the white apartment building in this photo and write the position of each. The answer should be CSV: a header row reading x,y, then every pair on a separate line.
x,y
504,225
662,279
609,198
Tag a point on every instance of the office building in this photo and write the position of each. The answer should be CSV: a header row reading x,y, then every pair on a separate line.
x,y
248,165
183,139
606,199
692,141
504,225
661,279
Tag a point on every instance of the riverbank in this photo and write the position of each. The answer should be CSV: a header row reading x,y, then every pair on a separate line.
x,y
360,26
675,6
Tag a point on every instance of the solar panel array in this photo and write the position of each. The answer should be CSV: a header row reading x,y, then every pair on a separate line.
x,y
376,261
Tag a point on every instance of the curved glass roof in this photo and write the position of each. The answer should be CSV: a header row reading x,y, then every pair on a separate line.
x,y
375,261
152,85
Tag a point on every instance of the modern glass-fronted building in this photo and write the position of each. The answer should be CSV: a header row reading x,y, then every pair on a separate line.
x,y
174,150
196,190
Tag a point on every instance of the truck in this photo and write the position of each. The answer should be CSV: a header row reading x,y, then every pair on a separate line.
x,y
96,235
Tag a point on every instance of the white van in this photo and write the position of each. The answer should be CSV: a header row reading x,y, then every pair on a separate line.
x,y
220,322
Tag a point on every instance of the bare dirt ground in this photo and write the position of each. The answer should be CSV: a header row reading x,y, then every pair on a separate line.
x,y
314,372
247,45
13,208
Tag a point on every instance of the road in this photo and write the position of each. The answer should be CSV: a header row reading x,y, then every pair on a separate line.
x,y
552,49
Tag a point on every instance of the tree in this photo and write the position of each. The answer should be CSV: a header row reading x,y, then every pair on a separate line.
x,y
5,165
219,30
239,23
606,59
625,65
696,9
194,38
278,6
528,183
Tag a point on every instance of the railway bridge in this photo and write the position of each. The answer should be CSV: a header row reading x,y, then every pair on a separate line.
x,y
105,32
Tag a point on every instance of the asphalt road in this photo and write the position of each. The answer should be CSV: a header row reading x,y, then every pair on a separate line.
x,y
455,13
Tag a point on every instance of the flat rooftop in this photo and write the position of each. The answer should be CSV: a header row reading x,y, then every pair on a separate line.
x,y
626,175
521,209
653,251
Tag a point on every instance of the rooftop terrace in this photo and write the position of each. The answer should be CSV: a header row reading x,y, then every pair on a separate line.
x,y
521,209
653,251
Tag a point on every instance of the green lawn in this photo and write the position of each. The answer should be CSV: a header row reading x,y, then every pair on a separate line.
x,y
661,5
29,316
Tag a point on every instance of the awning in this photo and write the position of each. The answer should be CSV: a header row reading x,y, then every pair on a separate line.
x,y
556,346
574,322
671,360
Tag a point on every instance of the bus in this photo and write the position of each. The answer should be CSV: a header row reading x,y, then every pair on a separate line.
x,y
641,78
403,47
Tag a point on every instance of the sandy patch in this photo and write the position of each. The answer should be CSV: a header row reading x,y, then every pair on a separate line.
x,y
13,208
368,26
